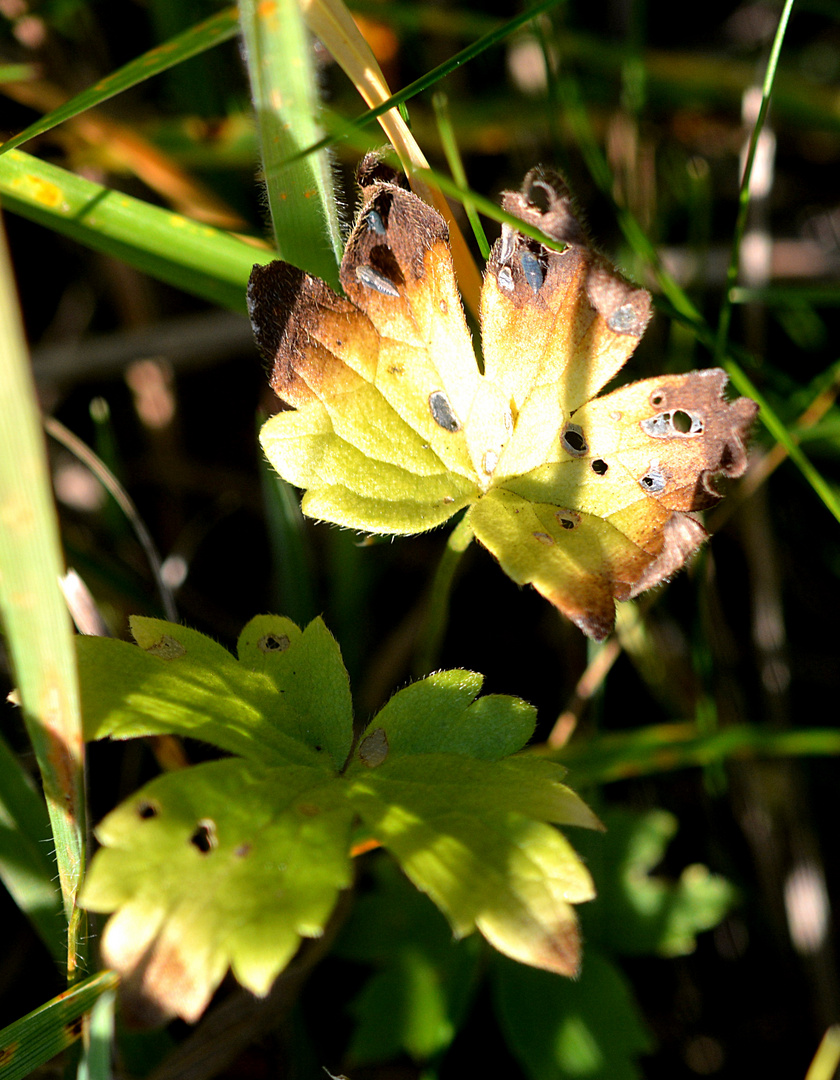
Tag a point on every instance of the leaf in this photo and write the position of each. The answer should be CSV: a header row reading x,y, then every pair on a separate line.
x,y
458,827
417,998
394,428
557,1028
227,864
188,254
641,913
287,699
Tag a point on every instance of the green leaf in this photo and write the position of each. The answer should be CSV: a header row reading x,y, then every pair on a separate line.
x,y
33,611
286,700
284,85
227,864
439,714
639,913
589,1028
486,867
416,1000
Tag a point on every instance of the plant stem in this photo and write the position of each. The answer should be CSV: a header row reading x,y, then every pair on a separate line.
x,y
437,615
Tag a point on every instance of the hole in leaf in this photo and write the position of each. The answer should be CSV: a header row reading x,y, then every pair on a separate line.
x,y
656,398
204,838
147,810
273,643
682,421
599,466
573,440
568,519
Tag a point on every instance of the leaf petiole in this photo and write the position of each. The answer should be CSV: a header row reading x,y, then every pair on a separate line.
x,y
437,613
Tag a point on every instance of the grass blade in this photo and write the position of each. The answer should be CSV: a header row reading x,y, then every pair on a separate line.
x,y
744,193
33,610
301,194
219,27
27,867
37,1037
197,258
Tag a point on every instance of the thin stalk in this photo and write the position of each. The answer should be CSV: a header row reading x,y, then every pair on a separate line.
x,y
456,166
744,193
437,614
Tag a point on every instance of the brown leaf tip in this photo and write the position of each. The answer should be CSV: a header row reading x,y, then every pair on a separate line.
x,y
524,266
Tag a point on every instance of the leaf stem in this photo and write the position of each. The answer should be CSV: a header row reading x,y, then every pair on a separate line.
x,y
437,614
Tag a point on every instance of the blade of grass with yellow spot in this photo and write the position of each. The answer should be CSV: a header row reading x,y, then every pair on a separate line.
x,y
35,618
200,259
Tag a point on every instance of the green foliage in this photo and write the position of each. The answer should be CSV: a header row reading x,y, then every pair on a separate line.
x,y
417,998
657,132
230,863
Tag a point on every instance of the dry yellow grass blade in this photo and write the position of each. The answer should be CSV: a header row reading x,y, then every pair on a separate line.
x,y
330,21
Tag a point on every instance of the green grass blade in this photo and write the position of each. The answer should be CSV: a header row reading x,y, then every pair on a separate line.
x,y
744,193
37,1037
219,27
301,193
197,258
27,867
449,143
662,748
431,78
32,607
680,303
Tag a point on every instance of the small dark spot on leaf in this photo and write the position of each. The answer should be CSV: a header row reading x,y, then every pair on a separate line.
x,y
544,538
147,810
204,837
374,748
308,809
8,1053
532,270
599,466
375,222
73,1030
242,851
442,413
273,643
167,648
